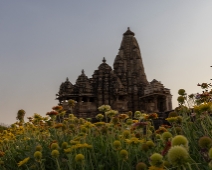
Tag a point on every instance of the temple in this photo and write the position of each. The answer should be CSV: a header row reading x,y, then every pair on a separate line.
x,y
124,87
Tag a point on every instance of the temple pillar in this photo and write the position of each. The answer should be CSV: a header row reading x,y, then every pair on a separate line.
x,y
155,100
165,104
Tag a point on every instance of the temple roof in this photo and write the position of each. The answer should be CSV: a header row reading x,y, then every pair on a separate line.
x,y
129,32
104,65
82,78
67,83
154,81
66,87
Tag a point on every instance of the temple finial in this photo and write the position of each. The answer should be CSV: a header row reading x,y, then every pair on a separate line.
x,y
83,72
104,60
67,79
129,32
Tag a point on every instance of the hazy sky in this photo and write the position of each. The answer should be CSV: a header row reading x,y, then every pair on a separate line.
x,y
43,42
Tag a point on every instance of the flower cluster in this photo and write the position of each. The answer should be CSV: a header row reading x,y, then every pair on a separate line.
x,y
151,116
51,113
125,141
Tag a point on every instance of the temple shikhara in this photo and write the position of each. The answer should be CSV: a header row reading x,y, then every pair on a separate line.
x,y
124,87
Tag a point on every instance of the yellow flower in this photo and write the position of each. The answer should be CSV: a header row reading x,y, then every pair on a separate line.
x,y
117,144
172,119
134,141
143,116
135,121
79,158
111,113
180,140
161,130
38,155
155,168
37,116
99,123
99,116
123,116
129,121
83,129
38,148
204,107
54,146
156,160
77,146
88,125
129,114
58,125
141,166
181,92
85,145
137,114
57,108
126,133
23,162
55,153
69,150
64,145
124,154
152,116
181,99
74,142
104,108
178,155
150,144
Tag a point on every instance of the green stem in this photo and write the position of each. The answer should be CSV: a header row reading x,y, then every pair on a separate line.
x,y
135,155
189,166
184,168
91,164
122,163
27,167
41,165
174,129
204,128
117,154
58,166
82,167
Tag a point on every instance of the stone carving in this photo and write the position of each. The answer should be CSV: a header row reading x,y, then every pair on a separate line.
x,y
124,88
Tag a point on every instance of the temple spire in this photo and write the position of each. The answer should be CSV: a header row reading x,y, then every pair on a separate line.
x,y
104,60
129,32
83,72
129,63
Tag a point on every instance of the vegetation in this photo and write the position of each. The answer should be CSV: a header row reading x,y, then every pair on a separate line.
x,y
124,142
3,127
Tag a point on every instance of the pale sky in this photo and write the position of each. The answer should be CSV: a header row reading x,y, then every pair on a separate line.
x,y
43,42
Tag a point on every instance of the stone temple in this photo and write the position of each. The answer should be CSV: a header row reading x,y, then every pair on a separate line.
x,y
124,87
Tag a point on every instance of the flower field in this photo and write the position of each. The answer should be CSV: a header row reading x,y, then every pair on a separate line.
x,y
127,141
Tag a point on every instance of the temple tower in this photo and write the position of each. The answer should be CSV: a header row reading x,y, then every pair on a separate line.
x,y
128,66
